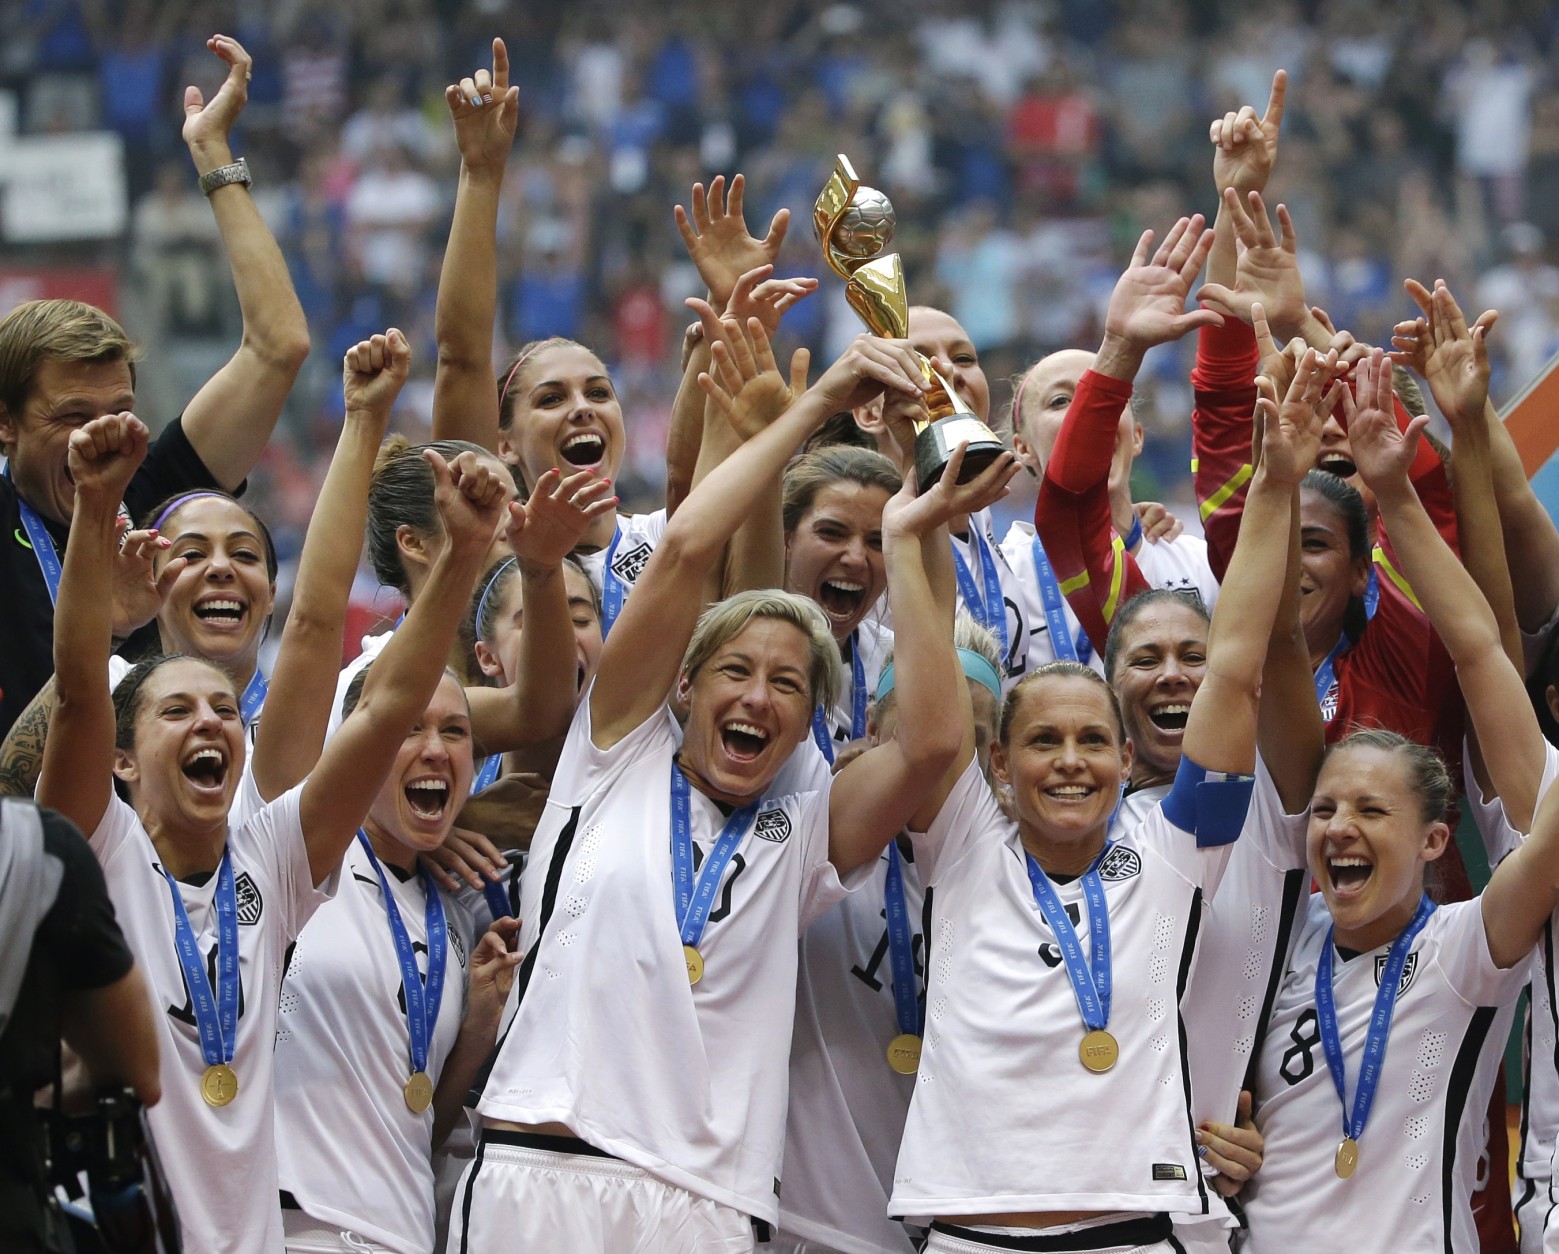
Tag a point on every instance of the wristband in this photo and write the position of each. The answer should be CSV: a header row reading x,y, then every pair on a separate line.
x,y
236,172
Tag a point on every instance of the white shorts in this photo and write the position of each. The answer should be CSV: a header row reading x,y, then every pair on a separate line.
x,y
1147,1235
306,1235
1535,1214
513,1198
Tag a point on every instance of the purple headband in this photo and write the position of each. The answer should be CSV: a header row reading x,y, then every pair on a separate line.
x,y
177,501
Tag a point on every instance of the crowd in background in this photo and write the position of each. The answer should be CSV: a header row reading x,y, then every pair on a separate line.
x,y
1024,143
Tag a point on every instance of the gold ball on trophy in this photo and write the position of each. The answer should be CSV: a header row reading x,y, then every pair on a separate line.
x,y
866,226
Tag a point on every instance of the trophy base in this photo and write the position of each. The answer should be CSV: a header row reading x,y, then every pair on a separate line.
x,y
935,445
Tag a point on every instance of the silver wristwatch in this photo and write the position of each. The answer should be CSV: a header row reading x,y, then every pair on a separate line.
x,y
236,172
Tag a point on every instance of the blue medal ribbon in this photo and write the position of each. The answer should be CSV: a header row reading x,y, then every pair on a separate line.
x,y
989,606
495,892
492,767
1091,985
822,727
901,949
253,699
1061,642
612,592
696,899
216,1017
41,543
421,1003
1380,1021
1326,679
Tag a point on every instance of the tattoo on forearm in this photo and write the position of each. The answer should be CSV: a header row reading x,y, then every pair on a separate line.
x,y
21,756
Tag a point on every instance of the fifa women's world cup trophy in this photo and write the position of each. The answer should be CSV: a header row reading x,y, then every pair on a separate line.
x,y
854,224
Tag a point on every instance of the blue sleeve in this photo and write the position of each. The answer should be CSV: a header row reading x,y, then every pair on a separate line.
x,y
1209,804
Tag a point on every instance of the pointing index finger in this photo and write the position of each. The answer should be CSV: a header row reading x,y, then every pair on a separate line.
x,y
500,67
1273,117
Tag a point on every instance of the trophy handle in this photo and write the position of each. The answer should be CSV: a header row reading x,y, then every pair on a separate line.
x,y
877,294
832,201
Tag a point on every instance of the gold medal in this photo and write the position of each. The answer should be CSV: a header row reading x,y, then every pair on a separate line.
x,y
904,1053
419,1092
1099,1051
695,964
219,1084
1347,1161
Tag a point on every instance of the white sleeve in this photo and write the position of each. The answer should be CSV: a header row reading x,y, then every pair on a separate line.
x,y
1463,955
119,826
970,814
821,883
584,769
1278,835
1500,838
273,839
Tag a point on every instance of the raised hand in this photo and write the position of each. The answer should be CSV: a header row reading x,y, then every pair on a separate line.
x,y
103,456
1234,1150
757,295
210,124
895,419
1148,304
743,379
1381,450
486,111
1290,430
1159,526
139,589
909,512
492,973
551,522
718,241
373,372
1247,146
1450,355
1266,268
469,495
867,369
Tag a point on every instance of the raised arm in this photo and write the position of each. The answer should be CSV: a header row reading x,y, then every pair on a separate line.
x,y
1220,733
1072,515
1531,540
1524,890
230,419
78,757
470,498
644,652
540,704
904,781
485,110
1512,745
302,685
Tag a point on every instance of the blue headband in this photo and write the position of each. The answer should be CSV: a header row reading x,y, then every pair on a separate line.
x,y
179,502
481,605
975,666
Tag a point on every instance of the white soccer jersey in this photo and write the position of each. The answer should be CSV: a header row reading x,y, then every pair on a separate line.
x,y
1015,655
1246,934
1005,1117
638,535
1180,564
1540,1093
847,1106
1418,1156
348,1147
606,1035
220,1160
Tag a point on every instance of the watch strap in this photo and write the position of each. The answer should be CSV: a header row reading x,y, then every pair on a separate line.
x,y
235,172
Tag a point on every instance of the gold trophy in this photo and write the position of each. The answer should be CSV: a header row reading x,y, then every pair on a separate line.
x,y
854,224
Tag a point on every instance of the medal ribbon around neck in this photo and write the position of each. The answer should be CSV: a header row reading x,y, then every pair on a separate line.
x,y
695,899
901,949
1061,642
496,894
216,1017
1380,1021
1326,673
422,1004
42,546
612,592
253,699
989,607
1091,983
822,728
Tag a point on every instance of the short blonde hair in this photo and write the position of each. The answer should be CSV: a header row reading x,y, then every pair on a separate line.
x,y
726,619
55,330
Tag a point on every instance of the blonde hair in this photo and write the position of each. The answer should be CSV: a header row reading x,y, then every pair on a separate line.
x,y
726,619
55,330
967,634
